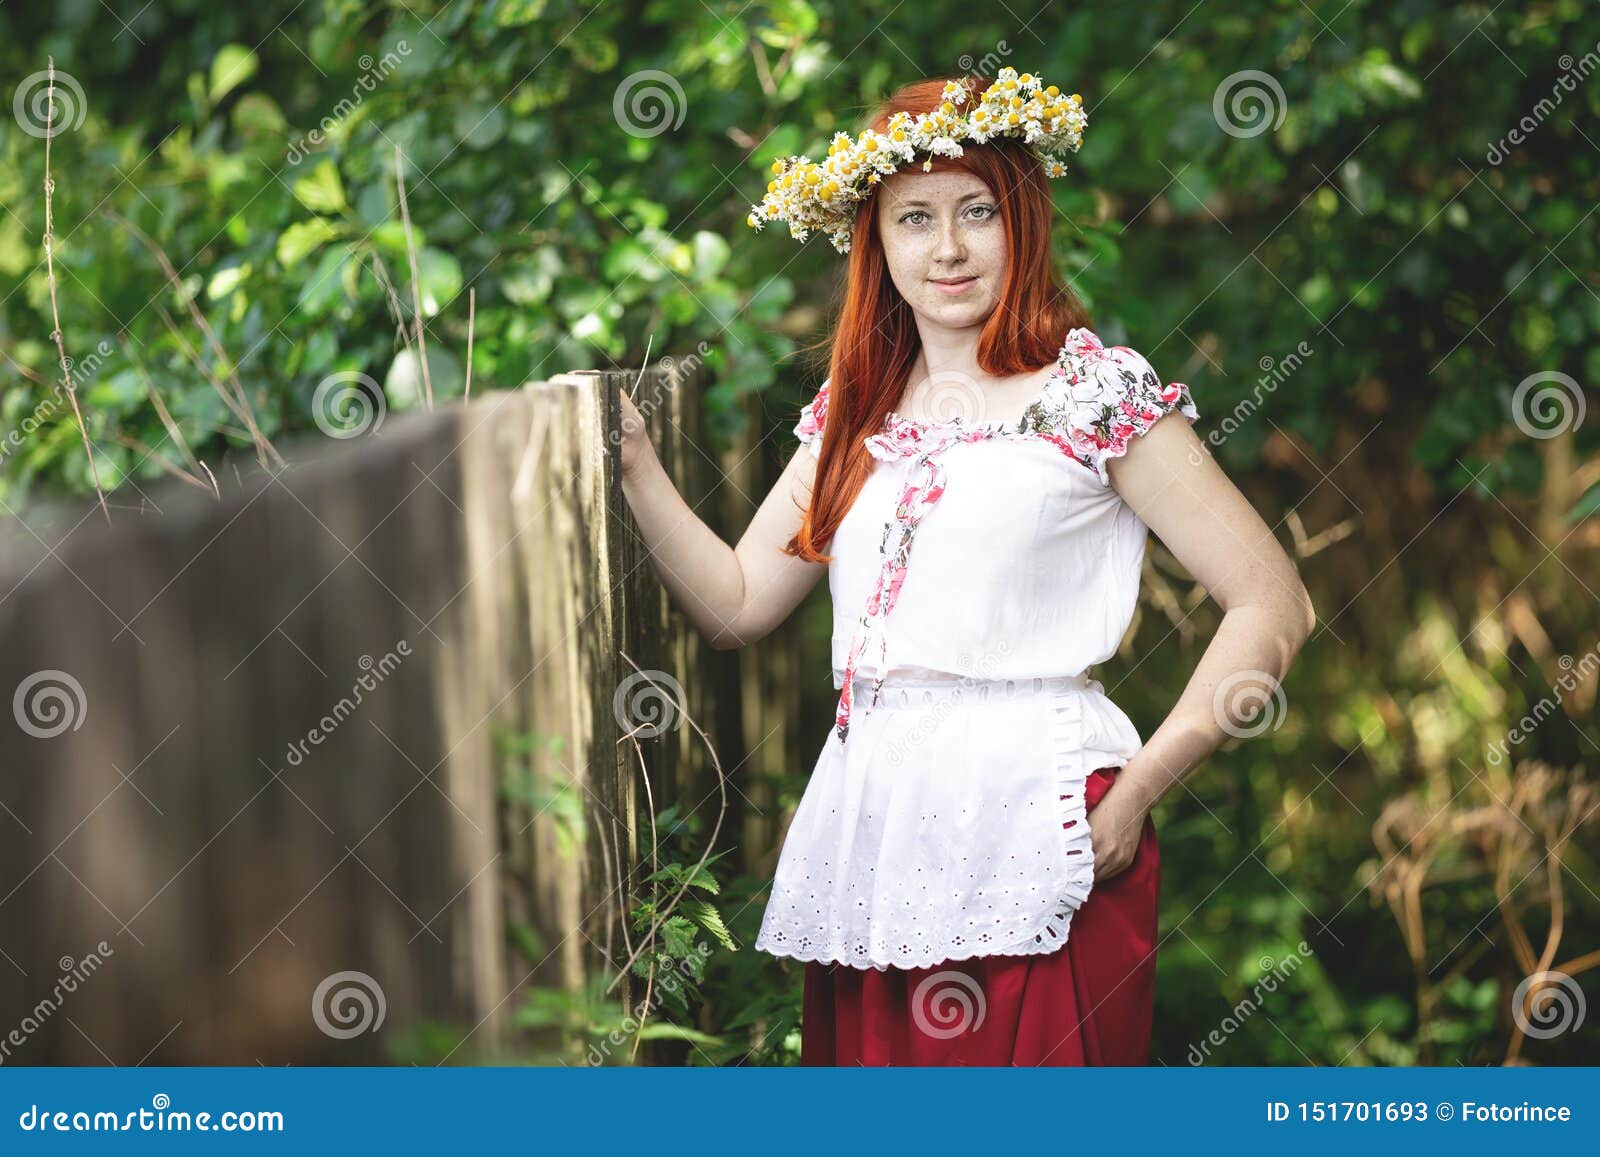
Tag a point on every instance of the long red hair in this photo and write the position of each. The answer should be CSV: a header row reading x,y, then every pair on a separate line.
x,y
875,341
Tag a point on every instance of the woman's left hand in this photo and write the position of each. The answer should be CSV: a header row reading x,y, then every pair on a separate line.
x,y
1115,825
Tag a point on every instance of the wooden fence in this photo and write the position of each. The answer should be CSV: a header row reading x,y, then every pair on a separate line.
x,y
327,770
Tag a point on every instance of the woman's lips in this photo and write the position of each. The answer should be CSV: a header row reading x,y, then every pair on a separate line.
x,y
953,288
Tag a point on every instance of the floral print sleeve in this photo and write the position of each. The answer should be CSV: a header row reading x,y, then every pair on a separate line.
x,y
1113,396
813,417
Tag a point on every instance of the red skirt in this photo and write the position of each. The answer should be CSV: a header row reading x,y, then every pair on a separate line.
x,y
1090,1002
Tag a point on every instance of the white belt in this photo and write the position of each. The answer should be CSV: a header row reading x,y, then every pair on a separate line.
x,y
908,690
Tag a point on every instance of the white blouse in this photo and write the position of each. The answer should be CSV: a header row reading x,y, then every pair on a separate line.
x,y
944,818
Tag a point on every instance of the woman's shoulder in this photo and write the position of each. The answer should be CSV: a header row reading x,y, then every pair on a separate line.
x,y
1104,396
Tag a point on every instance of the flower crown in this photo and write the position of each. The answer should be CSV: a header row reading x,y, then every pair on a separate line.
x,y
824,196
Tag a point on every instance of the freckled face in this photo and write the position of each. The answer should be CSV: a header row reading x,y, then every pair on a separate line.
x,y
945,244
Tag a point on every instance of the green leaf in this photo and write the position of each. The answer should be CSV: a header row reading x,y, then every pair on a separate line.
x,y
391,238
526,283
480,125
232,66
257,114
710,254
678,935
439,276
225,281
123,389
710,919
403,384
324,288
304,238
628,258
321,190
1587,506
660,1030
511,13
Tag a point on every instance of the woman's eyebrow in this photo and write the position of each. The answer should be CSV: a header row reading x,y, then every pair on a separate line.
x,y
925,204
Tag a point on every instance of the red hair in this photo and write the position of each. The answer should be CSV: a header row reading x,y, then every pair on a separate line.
x,y
875,341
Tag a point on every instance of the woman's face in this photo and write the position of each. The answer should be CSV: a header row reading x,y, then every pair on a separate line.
x,y
945,244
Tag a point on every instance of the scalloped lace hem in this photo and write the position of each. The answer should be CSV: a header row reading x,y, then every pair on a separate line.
x,y
1026,945
1052,929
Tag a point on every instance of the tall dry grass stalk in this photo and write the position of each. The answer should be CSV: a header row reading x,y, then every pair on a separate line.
x,y
416,279
55,309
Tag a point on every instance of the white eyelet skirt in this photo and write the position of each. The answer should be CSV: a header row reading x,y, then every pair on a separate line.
x,y
950,825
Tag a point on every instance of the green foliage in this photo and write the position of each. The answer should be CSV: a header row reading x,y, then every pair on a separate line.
x,y
1385,223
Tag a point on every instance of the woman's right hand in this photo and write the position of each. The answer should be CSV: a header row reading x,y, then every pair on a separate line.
x,y
635,448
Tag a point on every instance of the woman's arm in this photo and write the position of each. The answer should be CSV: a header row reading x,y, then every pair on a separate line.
x,y
731,595
1173,484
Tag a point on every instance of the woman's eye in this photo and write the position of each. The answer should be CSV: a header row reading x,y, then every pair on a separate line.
x,y
984,213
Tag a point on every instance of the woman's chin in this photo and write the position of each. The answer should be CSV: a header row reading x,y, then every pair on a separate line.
x,y
968,309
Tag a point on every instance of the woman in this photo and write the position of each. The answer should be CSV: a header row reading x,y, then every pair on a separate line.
x,y
942,879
